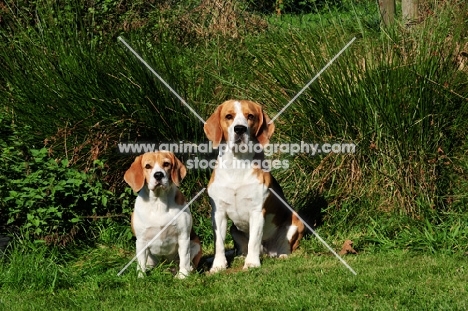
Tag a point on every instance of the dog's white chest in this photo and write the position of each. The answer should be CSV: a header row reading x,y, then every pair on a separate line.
x,y
238,195
149,221
165,243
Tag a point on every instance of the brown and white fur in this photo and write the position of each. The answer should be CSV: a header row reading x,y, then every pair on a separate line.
x,y
261,223
155,176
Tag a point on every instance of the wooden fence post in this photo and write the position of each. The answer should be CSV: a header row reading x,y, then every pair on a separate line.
x,y
387,11
410,12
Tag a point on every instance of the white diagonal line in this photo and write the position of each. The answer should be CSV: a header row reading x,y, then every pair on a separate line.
x,y
161,79
313,79
315,233
162,230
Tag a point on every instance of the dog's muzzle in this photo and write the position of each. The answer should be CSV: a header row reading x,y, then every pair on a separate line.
x,y
158,176
240,134
240,129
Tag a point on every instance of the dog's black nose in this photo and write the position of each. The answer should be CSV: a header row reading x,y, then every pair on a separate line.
x,y
158,176
240,129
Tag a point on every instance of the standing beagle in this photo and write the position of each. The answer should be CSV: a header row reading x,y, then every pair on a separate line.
x,y
156,175
241,191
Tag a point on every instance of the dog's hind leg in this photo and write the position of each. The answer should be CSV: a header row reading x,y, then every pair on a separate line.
x,y
151,261
195,253
241,241
286,236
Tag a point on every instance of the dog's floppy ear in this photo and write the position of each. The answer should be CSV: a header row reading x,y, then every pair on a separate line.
x,y
134,175
213,129
265,129
178,171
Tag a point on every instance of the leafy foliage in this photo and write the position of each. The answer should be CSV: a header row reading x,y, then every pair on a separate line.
x,y
45,197
400,94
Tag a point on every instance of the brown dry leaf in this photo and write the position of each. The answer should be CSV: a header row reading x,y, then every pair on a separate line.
x,y
347,248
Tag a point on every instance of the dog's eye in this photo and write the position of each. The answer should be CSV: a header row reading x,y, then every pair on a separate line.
x,y
251,117
148,166
166,164
229,116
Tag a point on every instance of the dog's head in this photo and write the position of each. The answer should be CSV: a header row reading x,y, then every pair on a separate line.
x,y
158,169
237,122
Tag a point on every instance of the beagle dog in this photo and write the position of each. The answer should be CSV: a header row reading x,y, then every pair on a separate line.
x,y
241,191
155,176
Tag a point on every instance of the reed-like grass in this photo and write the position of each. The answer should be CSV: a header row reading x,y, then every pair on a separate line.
x,y
400,94
393,93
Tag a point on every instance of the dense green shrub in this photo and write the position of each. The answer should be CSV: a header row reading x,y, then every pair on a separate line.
x,y
47,198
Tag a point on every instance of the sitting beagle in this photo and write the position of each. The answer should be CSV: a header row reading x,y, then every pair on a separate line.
x,y
156,175
241,191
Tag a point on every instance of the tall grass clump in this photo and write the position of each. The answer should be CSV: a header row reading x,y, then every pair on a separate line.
x,y
68,77
399,94
68,82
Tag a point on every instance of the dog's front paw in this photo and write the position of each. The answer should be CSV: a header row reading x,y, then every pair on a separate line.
x,y
182,274
141,274
218,265
251,262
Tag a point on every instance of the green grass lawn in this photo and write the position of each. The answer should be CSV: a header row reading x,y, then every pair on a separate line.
x,y
385,281
69,92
